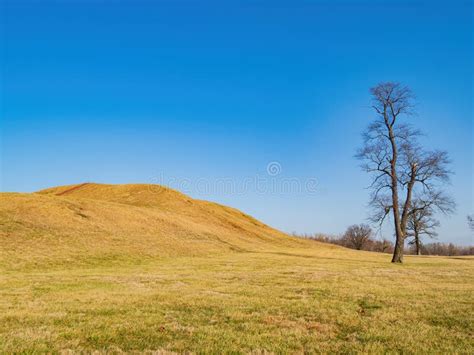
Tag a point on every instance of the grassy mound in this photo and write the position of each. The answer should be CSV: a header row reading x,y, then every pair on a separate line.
x,y
90,223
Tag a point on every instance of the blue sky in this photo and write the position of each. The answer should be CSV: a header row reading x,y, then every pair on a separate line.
x,y
193,93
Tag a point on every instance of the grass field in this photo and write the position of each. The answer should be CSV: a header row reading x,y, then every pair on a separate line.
x,y
290,296
288,301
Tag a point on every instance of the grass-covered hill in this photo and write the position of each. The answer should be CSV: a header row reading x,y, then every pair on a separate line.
x,y
89,222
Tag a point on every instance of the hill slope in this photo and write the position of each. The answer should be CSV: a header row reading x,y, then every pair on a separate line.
x,y
91,222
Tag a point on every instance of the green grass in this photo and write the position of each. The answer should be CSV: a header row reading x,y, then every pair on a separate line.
x,y
291,300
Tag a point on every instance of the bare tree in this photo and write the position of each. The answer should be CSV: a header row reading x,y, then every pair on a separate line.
x,y
470,221
392,154
422,221
385,245
357,236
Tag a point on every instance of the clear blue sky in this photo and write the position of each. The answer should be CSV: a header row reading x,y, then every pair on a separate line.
x,y
149,91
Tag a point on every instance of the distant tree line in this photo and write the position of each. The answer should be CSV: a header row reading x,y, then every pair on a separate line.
x,y
360,237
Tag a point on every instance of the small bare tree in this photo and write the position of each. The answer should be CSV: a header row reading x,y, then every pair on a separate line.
x,y
357,236
422,221
470,221
385,245
399,165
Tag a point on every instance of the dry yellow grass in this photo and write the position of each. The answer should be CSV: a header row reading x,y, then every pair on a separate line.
x,y
89,222
139,268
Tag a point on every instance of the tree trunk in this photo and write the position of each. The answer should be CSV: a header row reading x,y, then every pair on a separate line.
x,y
405,213
400,237
417,244
398,251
